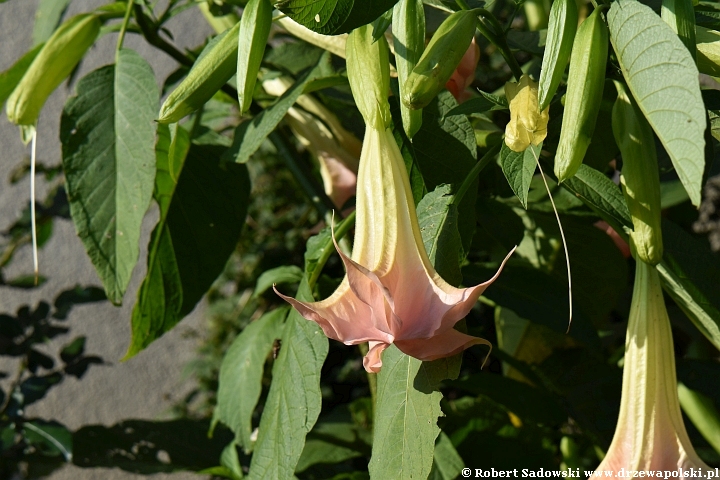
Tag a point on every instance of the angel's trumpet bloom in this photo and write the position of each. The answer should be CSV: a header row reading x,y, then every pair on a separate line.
x,y
391,292
650,434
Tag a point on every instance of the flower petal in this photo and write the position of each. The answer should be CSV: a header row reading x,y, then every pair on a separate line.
x,y
373,360
342,316
443,345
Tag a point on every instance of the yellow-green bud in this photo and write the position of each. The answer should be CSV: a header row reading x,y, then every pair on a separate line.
x,y
368,67
254,31
440,59
210,72
640,178
52,65
586,80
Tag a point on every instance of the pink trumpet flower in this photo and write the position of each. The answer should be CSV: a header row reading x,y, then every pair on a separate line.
x,y
391,292
650,433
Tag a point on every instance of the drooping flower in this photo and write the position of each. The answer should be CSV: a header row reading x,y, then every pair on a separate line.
x,y
650,433
391,292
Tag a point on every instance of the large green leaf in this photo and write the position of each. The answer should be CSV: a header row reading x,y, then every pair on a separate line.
x,y
406,415
294,400
437,216
108,136
663,79
47,18
250,134
331,17
192,242
445,151
519,168
241,374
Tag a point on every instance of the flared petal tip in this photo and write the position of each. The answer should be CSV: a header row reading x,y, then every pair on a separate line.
x,y
373,359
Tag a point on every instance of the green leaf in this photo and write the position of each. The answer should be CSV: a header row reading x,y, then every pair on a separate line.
x,y
519,168
331,443
250,134
445,151
284,274
602,195
229,459
702,412
332,17
406,415
381,24
437,216
108,134
663,79
10,78
446,461
691,275
191,245
48,15
241,374
486,102
49,438
294,400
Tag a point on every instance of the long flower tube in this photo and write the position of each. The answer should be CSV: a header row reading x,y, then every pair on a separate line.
x,y
650,433
391,293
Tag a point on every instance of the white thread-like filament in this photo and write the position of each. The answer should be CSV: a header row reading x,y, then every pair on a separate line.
x,y
32,206
562,234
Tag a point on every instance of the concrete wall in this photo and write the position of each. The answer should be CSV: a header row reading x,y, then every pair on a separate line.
x,y
145,386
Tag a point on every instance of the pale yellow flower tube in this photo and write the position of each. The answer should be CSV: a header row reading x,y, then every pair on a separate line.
x,y
650,433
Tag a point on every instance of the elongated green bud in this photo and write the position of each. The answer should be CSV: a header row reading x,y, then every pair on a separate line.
x,y
680,16
254,31
584,95
215,66
440,59
561,33
708,51
368,67
640,178
408,26
52,65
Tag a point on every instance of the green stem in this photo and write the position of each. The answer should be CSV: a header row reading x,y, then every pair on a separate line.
x,y
463,4
123,28
472,176
498,39
342,229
